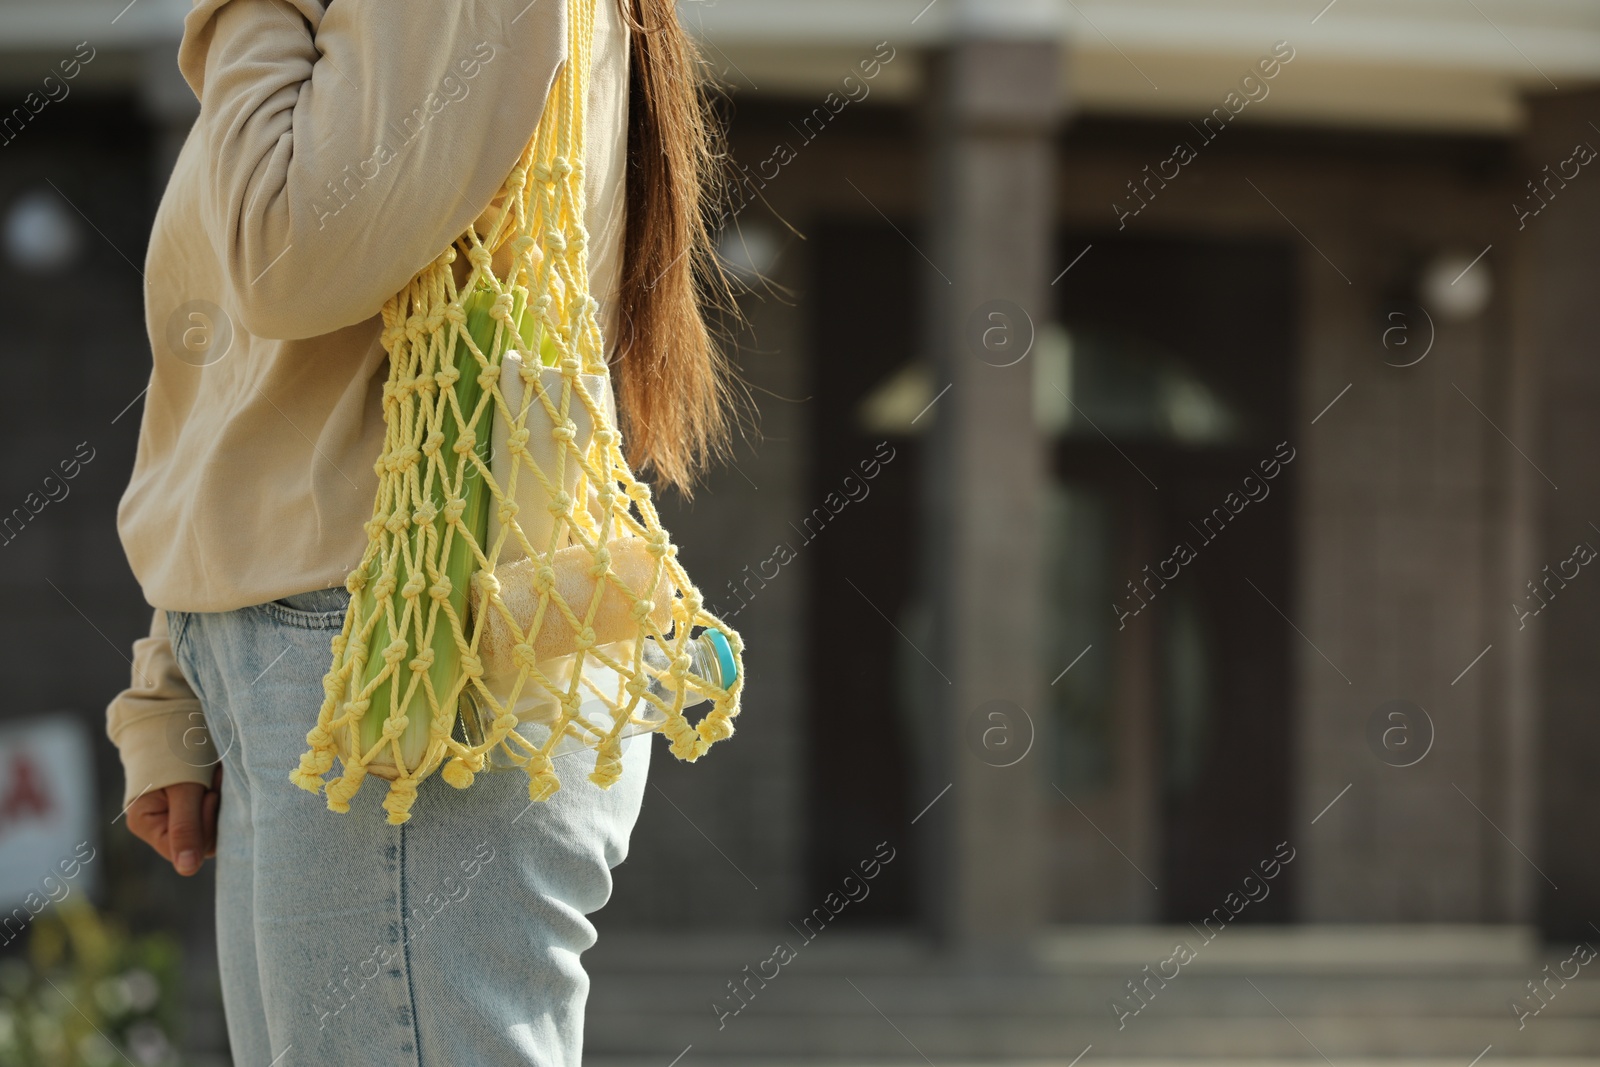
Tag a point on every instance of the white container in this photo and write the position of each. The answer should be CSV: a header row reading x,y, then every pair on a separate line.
x,y
528,412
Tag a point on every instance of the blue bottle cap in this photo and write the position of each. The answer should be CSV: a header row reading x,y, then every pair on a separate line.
x,y
725,662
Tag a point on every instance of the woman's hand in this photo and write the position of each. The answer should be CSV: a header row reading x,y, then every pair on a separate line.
x,y
180,822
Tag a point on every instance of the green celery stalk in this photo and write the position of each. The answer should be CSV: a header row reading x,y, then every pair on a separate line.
x,y
458,564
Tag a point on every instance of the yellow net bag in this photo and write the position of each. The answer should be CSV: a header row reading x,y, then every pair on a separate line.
x,y
516,571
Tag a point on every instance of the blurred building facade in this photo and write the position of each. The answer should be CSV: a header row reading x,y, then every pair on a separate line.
x,y
1171,452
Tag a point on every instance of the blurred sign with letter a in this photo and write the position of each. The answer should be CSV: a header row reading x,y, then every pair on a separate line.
x,y
46,806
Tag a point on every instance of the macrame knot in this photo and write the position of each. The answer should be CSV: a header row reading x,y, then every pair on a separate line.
x,y
607,765
313,765
554,241
466,442
402,794
441,588
502,308
656,543
453,509
544,577
397,522
602,562
561,503
447,377
541,174
639,492
642,609
716,726
570,366
542,786
383,588
579,242
319,737
522,245
517,441
636,685
455,313
413,586
507,511
605,437
458,773
543,781
691,604
542,305
684,740
562,166
413,328
585,638
424,516
434,442
480,257
522,655
471,666
489,583
344,787
567,431
393,728
422,660
395,651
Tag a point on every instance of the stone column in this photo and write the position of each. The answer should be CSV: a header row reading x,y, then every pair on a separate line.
x,y
1559,320
996,102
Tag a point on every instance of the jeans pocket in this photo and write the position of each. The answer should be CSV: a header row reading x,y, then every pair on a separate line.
x,y
319,609
177,626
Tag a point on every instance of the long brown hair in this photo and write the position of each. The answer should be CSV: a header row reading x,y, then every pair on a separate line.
x,y
672,379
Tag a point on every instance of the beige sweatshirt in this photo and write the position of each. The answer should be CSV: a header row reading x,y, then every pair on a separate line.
x,y
340,147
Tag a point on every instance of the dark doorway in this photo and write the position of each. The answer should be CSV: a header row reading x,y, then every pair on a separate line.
x,y
859,542
1176,367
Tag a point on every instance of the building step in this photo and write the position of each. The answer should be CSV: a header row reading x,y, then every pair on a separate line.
x,y
1346,994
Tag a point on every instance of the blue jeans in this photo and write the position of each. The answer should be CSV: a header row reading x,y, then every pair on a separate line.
x,y
450,941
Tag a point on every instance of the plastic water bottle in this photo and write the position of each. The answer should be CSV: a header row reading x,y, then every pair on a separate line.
x,y
710,658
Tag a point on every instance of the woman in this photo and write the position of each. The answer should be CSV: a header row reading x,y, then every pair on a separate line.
x,y
340,147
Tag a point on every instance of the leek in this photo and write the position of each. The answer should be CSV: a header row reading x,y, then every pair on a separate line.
x,y
460,562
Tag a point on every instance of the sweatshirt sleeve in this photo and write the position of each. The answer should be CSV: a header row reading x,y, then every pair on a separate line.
x,y
155,722
349,143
